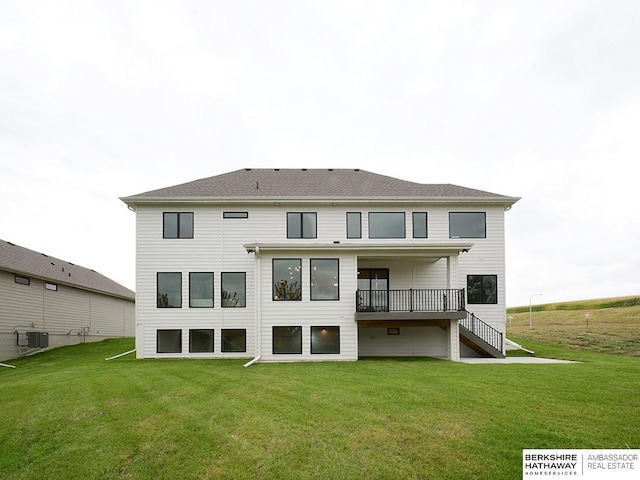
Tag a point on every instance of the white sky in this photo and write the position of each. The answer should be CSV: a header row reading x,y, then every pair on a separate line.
x,y
536,99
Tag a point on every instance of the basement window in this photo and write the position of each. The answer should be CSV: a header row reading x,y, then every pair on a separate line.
x,y
169,341
325,340
234,340
200,341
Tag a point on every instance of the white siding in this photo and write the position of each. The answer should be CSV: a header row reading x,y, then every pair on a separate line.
x,y
217,247
411,342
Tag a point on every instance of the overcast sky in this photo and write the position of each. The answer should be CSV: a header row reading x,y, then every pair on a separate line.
x,y
535,99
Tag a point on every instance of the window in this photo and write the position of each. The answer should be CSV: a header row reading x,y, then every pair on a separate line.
x,y
419,224
22,280
325,340
169,341
325,283
235,215
200,341
467,225
301,225
386,225
287,339
177,225
287,279
354,225
234,290
169,288
200,290
51,286
234,340
482,289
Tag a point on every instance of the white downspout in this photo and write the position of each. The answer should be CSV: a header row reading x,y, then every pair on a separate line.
x,y
121,355
258,300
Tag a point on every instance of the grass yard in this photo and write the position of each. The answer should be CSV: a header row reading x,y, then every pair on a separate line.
x,y
69,414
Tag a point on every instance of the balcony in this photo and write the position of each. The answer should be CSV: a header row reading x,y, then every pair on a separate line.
x,y
410,304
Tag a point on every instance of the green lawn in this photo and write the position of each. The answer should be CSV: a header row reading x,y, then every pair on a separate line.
x,y
68,413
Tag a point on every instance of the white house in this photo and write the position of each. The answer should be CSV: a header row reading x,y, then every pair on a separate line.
x,y
46,302
319,264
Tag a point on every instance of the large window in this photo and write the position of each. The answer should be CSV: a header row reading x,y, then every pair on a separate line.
x,y
234,340
354,225
200,289
467,225
169,289
177,225
200,341
325,340
234,290
325,279
482,289
169,341
287,279
419,224
386,225
287,339
301,225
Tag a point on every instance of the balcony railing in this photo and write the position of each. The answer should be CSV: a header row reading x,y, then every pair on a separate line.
x,y
411,300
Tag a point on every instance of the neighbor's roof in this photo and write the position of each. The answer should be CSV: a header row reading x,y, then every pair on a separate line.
x,y
261,184
22,261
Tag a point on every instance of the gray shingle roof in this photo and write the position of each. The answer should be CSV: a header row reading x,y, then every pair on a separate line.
x,y
22,261
275,183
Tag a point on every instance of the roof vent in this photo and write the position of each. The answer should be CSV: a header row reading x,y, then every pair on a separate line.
x,y
277,169
331,169
356,169
247,169
304,169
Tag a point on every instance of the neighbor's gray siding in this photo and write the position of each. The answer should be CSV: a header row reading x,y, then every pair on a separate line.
x,y
70,315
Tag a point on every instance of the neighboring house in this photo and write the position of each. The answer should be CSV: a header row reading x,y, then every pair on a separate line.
x,y
46,302
319,264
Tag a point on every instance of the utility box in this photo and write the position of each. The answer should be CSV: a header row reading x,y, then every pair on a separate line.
x,y
37,339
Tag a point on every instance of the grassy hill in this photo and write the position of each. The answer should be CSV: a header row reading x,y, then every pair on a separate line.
x,y
609,325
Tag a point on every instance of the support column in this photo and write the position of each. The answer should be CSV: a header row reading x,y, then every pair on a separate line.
x,y
452,271
454,341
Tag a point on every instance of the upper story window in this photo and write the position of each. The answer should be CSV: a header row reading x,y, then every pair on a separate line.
x,y
22,280
234,289
177,225
302,225
287,279
467,225
419,224
482,289
51,286
235,214
354,225
325,275
387,225
200,290
169,290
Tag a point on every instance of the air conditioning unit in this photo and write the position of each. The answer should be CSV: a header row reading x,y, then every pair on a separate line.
x,y
37,339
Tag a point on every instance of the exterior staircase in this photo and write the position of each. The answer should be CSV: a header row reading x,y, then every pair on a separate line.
x,y
481,337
